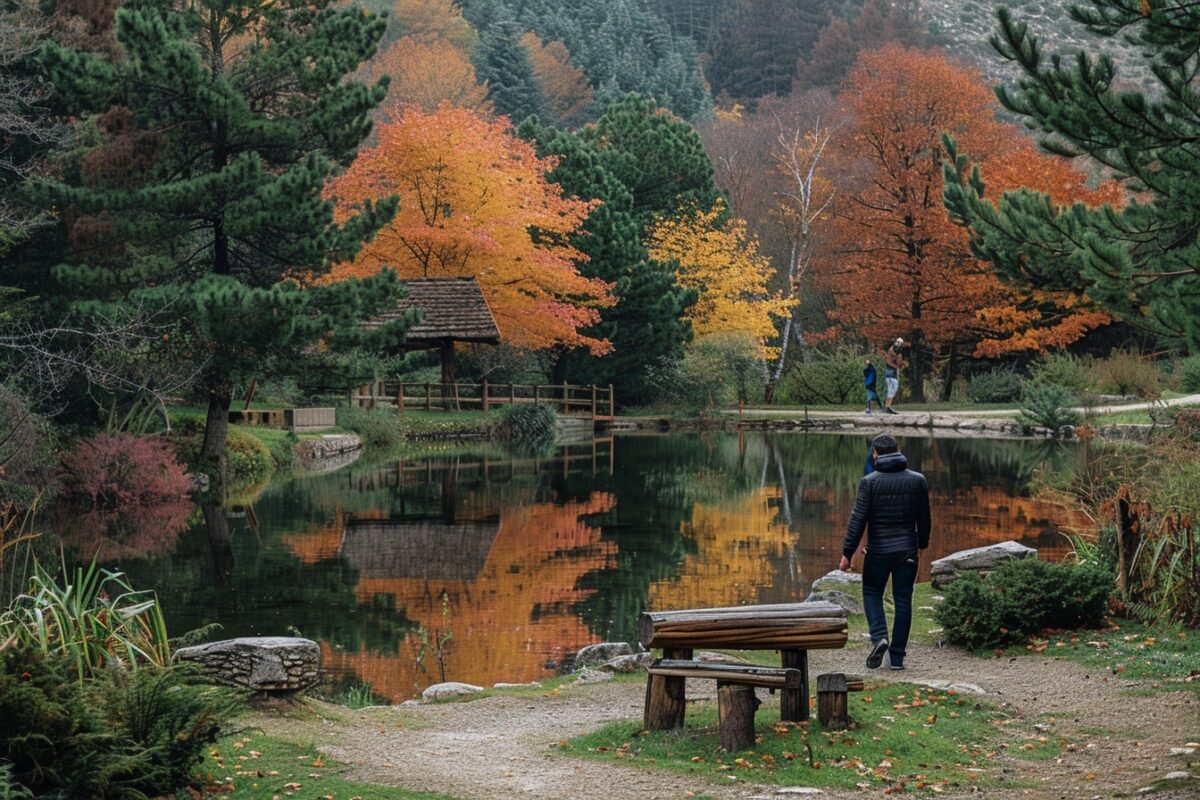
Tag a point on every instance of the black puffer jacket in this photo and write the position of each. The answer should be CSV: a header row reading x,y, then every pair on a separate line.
x,y
894,501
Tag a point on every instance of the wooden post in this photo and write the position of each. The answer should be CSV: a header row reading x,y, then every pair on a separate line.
x,y
793,703
593,401
832,706
512,394
400,397
484,394
612,403
427,406
566,403
665,701
537,394
735,711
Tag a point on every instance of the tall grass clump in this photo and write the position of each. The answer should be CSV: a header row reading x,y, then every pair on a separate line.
x,y
1125,372
527,427
1048,405
93,620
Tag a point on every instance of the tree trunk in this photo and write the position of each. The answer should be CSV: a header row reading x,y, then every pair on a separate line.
x,y
219,543
216,430
735,711
918,368
793,703
951,374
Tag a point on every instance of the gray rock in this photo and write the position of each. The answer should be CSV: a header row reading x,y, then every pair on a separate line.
x,y
637,662
530,685
273,664
951,686
1178,775
600,653
983,560
1066,432
832,580
593,676
450,689
847,602
1182,751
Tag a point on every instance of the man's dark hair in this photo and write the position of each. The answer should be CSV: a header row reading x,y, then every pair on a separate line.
x,y
885,443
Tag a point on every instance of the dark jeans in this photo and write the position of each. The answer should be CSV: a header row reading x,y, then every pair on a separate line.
x,y
902,568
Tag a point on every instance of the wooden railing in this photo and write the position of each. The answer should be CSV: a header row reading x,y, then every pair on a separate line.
x,y
596,402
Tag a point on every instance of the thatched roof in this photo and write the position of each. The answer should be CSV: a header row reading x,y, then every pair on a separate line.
x,y
453,309
429,549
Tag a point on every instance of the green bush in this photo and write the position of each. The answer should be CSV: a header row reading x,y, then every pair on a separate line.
x,y
1064,369
1187,373
1000,385
832,377
1021,598
715,371
1049,406
122,735
382,428
1125,372
528,427
250,461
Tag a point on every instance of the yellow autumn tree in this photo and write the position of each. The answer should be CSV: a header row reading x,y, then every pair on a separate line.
x,y
565,87
427,71
434,19
722,263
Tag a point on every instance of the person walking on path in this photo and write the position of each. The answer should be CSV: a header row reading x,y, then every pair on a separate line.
x,y
893,501
891,374
870,381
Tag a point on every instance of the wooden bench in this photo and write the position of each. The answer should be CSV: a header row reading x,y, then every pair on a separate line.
x,y
791,628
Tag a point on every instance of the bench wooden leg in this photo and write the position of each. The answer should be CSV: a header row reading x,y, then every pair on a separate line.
x,y
793,703
832,701
735,710
665,696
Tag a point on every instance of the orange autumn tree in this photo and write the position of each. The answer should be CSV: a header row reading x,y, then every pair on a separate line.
x,y
474,200
427,71
564,86
722,263
898,265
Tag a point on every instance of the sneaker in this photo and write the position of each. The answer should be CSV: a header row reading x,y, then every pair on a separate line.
x,y
875,657
868,411
889,410
895,667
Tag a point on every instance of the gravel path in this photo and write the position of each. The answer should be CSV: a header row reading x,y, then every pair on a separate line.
x,y
500,746
780,413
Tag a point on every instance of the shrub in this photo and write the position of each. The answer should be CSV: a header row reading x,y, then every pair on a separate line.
x,y
122,735
1063,369
383,428
1125,372
830,378
1049,406
715,371
249,461
1000,385
125,469
1187,373
1024,597
529,427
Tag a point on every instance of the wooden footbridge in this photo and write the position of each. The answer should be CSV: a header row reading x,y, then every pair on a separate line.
x,y
569,400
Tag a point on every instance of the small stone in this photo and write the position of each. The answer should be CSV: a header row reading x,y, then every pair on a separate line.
x,y
593,676
628,664
450,689
1178,775
952,686
798,790
600,653
1182,751
530,685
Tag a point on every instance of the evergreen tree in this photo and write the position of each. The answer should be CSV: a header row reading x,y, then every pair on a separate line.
x,y
238,113
755,47
503,62
1142,261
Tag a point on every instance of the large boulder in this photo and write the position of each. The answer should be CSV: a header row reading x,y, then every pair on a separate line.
x,y
637,662
601,653
441,691
982,560
270,664
835,580
848,603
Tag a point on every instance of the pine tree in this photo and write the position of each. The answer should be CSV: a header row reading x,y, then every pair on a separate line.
x,y
755,47
504,64
240,112
1141,262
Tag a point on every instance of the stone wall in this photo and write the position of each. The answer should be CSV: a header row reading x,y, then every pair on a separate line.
x,y
271,664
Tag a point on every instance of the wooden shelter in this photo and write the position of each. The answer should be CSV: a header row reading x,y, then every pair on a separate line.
x,y
452,310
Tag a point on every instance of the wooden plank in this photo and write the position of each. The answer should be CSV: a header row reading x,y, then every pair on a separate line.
x,y
769,677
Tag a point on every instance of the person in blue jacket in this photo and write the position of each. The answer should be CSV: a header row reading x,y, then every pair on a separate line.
x,y
870,379
894,502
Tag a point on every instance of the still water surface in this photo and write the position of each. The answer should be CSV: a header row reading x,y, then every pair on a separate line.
x,y
522,561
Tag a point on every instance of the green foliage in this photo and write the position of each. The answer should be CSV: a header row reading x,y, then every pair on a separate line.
x,y
1130,261
754,48
832,377
27,459
715,371
1049,406
999,385
1064,369
1023,597
529,427
382,428
1125,372
120,735
91,617
1186,373
250,462
361,695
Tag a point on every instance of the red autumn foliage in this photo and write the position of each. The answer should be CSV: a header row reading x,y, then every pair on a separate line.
x,y
122,470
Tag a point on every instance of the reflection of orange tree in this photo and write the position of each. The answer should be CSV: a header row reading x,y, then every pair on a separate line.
x,y
512,615
738,542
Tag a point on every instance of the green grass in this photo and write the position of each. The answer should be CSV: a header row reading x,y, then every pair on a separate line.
x,y
257,767
1158,658
1141,417
903,734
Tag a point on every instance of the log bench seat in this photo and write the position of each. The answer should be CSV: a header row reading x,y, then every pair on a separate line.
x,y
791,628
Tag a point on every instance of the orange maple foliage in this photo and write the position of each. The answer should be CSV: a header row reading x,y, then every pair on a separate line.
x,y
474,200
564,86
434,19
427,71
900,266
722,263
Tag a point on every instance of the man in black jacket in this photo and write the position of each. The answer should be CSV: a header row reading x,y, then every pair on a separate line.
x,y
894,502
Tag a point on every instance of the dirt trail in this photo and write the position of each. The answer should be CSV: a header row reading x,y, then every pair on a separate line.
x,y
501,746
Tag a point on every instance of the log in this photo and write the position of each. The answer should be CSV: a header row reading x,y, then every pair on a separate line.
x,y
793,703
833,709
735,711
767,677
785,625
665,700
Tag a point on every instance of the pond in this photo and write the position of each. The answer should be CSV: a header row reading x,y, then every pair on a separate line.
x,y
488,567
